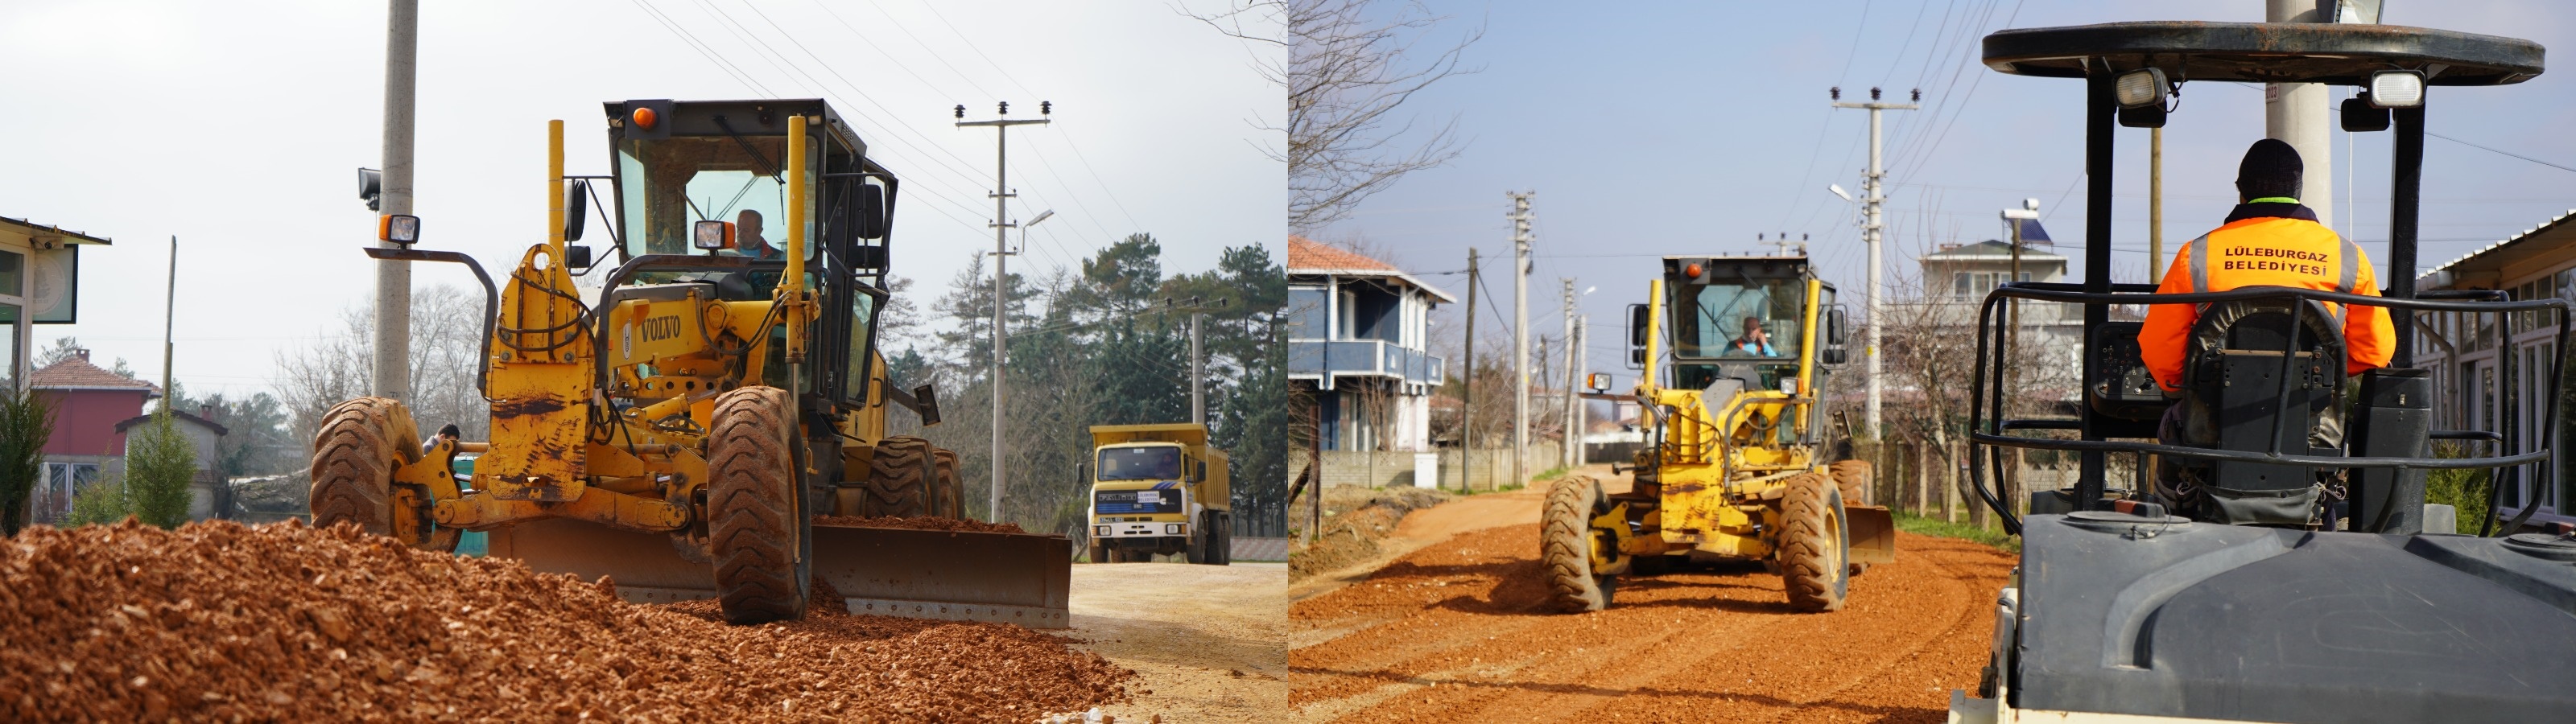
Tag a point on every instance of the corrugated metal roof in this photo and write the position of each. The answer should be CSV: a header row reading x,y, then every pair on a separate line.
x,y
2551,224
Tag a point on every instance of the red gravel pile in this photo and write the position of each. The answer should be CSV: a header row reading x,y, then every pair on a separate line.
x,y
285,622
926,522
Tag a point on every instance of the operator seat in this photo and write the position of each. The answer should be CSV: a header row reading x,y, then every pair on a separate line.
x,y
2232,398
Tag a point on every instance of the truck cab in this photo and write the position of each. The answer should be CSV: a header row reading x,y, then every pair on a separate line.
x,y
1157,490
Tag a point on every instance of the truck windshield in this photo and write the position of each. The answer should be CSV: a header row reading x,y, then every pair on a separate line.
x,y
670,184
1140,463
1756,318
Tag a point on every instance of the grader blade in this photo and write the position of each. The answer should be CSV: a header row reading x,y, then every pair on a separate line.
x,y
959,576
1873,533
1015,578
645,567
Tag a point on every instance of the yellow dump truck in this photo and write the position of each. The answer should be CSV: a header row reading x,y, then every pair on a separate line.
x,y
1158,490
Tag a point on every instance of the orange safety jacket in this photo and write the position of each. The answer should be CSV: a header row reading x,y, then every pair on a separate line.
x,y
2267,244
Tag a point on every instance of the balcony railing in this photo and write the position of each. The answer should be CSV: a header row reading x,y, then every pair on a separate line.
x,y
1363,358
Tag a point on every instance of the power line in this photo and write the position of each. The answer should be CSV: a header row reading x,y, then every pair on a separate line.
x,y
2498,150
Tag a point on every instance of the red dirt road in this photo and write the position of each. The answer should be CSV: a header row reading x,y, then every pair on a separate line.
x,y
1460,631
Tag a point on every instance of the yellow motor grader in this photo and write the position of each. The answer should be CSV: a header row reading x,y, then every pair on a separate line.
x,y
1734,466
681,428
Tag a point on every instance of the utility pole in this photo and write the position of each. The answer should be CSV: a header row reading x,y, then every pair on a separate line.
x,y
1198,373
1873,198
1520,217
2296,112
1467,411
392,377
1583,366
2156,205
169,323
1001,296
1565,455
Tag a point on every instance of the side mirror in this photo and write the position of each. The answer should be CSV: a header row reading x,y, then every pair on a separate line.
x,y
1637,336
1836,321
870,210
1202,471
928,396
2359,116
575,212
1081,475
712,235
577,257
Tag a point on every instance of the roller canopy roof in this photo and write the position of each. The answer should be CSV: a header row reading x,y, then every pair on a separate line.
x,y
2336,53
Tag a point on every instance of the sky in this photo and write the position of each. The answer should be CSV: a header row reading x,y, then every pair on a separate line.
x,y
1690,128
237,127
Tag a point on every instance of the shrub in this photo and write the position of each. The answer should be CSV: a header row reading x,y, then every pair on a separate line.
x,y
160,461
26,422
2463,489
99,503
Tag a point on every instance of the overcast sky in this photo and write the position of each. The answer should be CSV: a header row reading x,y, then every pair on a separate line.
x,y
1688,129
237,126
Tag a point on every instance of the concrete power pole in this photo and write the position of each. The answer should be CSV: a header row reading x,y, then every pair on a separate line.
x,y
1582,363
1573,377
1198,373
1873,198
1001,254
2296,114
392,377
1467,407
1520,217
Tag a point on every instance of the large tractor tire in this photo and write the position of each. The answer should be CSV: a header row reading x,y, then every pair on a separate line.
x,y
1859,483
1566,542
903,479
757,533
360,444
1815,547
1857,479
947,495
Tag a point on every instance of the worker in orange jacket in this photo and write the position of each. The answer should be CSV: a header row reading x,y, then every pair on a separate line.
x,y
2269,240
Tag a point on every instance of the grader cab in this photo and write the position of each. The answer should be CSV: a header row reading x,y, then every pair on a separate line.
x,y
1736,462
2282,563
682,427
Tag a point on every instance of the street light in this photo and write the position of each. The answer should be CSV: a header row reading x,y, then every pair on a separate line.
x,y
1838,191
1024,228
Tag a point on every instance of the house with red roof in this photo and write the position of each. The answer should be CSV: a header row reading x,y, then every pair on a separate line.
x,y
87,446
1359,337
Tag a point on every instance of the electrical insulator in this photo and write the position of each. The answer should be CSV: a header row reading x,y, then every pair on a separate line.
x,y
1046,107
1873,93
1006,108
961,111
1838,92
1918,95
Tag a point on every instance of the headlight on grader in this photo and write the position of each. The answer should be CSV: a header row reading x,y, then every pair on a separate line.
x,y
398,228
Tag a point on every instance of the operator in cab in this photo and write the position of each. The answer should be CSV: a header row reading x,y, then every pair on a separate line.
x,y
1755,342
2270,239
